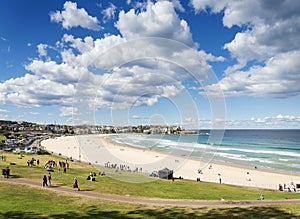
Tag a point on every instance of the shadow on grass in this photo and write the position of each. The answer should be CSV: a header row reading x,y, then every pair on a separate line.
x,y
143,212
14,176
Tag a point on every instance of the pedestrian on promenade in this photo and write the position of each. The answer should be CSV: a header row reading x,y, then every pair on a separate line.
x,y
49,179
45,181
75,184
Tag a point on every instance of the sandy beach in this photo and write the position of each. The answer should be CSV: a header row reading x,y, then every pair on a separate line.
x,y
98,150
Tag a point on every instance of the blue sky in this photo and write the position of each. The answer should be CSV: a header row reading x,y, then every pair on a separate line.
x,y
196,63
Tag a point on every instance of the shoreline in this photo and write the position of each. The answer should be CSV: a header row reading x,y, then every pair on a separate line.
x,y
224,162
98,150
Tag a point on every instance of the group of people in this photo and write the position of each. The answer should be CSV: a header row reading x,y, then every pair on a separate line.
x,y
63,165
49,165
47,182
30,163
289,189
91,176
122,167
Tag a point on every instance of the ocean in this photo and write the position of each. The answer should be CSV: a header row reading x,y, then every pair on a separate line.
x,y
272,150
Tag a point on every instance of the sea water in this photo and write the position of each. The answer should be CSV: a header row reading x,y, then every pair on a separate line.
x,y
275,150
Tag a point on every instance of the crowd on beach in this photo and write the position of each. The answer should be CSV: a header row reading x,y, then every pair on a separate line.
x,y
290,188
122,167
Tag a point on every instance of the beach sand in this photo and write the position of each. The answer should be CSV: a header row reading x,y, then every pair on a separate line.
x,y
96,149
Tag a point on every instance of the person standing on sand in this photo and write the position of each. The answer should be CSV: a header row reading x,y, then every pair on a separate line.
x,y
45,181
75,184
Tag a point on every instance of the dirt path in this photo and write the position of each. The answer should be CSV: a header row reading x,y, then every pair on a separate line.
x,y
150,201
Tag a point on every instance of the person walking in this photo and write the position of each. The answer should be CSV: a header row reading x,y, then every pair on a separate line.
x,y
7,172
75,184
49,179
45,181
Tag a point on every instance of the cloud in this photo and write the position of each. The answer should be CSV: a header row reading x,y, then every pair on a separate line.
x,y
159,20
34,113
42,50
34,91
4,117
279,121
60,73
139,117
67,111
178,5
279,78
109,13
113,71
3,111
271,122
269,38
72,16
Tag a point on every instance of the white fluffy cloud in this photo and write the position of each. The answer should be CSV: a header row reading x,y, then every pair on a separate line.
x,y
32,90
113,71
72,16
159,20
271,38
60,73
278,78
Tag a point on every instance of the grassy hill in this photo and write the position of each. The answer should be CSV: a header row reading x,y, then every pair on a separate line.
x,y
19,201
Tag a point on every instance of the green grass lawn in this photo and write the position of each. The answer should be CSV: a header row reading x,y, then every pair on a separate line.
x,y
180,189
19,201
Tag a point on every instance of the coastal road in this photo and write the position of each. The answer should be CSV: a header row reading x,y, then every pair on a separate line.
x,y
149,201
